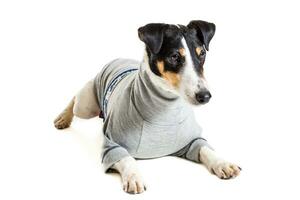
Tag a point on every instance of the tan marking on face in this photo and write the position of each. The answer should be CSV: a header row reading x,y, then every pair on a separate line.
x,y
198,50
182,51
171,77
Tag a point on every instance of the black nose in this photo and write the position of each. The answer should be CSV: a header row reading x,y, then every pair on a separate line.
x,y
203,97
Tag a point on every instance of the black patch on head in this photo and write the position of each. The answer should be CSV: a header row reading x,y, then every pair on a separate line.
x,y
169,52
205,31
152,35
163,42
192,41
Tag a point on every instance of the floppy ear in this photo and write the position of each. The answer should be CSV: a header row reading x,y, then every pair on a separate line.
x,y
205,31
152,35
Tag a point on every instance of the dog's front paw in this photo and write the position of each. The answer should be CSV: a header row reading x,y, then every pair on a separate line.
x,y
133,183
225,170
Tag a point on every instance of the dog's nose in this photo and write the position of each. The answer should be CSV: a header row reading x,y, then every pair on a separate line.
x,y
203,97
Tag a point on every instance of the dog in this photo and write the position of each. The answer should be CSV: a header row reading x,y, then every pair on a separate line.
x,y
147,106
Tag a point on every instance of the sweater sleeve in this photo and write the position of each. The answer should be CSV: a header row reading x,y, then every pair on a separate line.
x,y
112,153
192,150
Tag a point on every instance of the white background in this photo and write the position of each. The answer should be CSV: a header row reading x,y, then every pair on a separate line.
x,y
49,49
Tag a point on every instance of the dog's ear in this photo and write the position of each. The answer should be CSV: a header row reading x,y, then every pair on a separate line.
x,y
205,31
152,35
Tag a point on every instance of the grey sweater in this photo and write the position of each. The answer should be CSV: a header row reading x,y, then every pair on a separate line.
x,y
140,119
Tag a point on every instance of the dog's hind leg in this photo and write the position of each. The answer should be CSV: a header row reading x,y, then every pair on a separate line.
x,y
64,119
84,105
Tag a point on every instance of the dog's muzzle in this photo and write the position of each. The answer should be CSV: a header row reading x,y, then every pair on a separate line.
x,y
203,97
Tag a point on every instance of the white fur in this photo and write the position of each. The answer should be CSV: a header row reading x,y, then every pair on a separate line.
x,y
217,165
86,105
191,83
131,178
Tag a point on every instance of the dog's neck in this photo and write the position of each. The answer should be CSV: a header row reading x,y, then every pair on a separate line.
x,y
152,94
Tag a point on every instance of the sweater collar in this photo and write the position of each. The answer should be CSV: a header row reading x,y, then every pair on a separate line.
x,y
153,99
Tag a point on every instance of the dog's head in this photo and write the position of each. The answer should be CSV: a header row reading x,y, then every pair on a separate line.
x,y
176,54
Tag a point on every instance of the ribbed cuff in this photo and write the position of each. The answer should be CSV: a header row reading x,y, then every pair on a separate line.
x,y
112,156
194,150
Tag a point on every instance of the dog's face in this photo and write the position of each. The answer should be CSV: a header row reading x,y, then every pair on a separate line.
x,y
176,54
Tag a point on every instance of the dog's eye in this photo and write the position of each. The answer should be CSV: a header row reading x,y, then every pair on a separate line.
x,y
202,53
175,58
